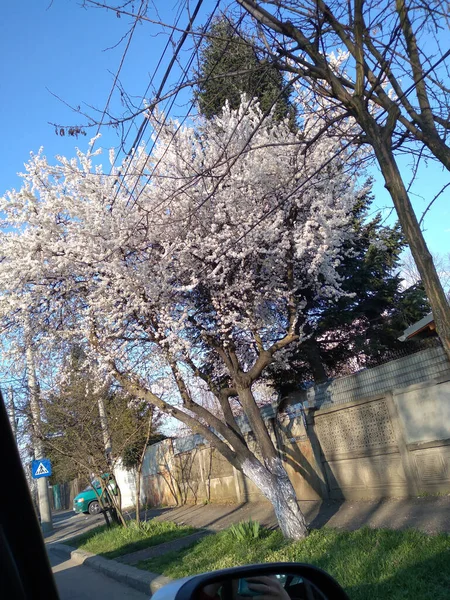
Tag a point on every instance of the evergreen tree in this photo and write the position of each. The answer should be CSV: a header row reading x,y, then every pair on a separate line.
x,y
229,67
73,429
363,327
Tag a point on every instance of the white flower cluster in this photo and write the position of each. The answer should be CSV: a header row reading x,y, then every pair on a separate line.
x,y
211,236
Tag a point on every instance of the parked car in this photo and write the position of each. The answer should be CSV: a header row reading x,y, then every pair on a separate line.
x,y
87,500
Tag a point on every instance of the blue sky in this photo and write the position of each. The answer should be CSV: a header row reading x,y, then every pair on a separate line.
x,y
60,47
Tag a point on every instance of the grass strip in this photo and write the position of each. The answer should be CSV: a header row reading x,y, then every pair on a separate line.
x,y
368,563
118,541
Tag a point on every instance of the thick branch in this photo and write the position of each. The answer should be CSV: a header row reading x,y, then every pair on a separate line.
x,y
416,66
231,434
222,396
266,356
139,391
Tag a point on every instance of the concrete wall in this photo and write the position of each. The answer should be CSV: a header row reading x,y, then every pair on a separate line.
x,y
396,444
415,368
425,420
359,450
126,481
195,476
349,444
425,412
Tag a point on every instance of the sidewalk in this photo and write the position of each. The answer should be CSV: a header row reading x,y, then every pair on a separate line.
x,y
430,514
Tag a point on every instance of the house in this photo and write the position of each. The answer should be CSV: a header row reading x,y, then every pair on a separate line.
x,y
421,329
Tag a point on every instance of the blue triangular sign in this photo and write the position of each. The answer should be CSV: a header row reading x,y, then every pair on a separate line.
x,y
41,470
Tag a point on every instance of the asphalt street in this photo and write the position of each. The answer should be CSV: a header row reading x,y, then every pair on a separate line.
x,y
67,524
79,582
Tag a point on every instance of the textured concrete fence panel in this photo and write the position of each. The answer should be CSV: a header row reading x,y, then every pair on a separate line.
x,y
425,416
425,412
359,450
378,433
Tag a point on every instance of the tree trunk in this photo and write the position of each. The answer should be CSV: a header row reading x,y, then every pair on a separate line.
x,y
410,226
271,477
105,429
257,425
116,502
311,349
138,495
274,483
45,511
12,412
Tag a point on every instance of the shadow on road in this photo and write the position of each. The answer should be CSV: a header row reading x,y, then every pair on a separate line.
x,y
70,525
81,582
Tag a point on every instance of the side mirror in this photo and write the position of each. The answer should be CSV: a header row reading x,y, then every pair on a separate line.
x,y
277,581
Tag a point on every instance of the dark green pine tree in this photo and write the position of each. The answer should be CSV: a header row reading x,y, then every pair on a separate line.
x,y
229,67
363,328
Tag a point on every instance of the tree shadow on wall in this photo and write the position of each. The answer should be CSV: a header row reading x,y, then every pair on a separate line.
x,y
178,474
299,462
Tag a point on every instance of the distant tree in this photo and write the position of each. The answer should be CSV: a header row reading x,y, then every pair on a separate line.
x,y
73,431
411,275
230,67
410,305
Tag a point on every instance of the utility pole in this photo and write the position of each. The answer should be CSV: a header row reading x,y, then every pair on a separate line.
x,y
42,483
12,412
105,429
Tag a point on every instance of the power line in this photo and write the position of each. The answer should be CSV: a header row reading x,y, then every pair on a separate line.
x,y
276,99
122,61
144,123
155,71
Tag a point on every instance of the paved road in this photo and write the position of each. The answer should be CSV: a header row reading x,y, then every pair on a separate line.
x,y
67,524
78,582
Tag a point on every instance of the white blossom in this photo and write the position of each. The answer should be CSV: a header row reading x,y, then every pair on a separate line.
x,y
212,236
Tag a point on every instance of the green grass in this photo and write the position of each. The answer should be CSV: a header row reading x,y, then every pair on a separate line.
x,y
368,563
117,541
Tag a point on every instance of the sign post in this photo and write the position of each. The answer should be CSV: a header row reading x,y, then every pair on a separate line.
x,y
41,468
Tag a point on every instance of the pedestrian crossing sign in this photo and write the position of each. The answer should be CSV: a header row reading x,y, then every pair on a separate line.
x,y
41,468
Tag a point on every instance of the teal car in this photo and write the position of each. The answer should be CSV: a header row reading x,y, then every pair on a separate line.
x,y
87,500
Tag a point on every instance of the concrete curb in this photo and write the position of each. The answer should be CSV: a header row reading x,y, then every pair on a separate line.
x,y
143,581
177,544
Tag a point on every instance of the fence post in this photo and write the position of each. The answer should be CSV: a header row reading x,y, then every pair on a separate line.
x,y
239,483
408,466
317,452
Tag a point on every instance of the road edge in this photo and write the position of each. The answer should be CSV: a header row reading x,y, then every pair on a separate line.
x,y
143,581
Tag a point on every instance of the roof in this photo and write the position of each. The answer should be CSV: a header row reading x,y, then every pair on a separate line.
x,y
426,322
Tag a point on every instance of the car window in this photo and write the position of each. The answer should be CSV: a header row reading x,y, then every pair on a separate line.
x,y
90,487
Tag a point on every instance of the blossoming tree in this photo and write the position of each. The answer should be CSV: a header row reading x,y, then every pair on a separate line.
x,y
188,263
